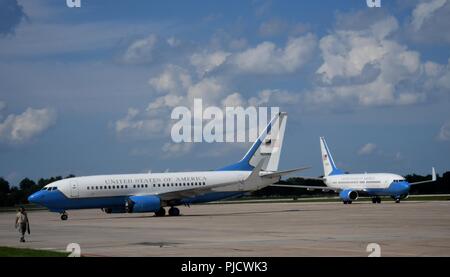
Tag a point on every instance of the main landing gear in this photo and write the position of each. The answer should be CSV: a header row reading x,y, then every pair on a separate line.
x,y
64,216
376,200
347,202
397,200
173,211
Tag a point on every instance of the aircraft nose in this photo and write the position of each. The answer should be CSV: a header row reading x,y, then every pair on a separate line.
x,y
405,186
35,197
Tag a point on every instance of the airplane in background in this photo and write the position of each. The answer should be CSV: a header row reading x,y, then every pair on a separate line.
x,y
141,193
350,186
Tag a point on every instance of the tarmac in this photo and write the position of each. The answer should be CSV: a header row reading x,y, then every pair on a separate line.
x,y
412,228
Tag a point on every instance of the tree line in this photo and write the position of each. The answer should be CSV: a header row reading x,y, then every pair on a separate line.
x,y
17,195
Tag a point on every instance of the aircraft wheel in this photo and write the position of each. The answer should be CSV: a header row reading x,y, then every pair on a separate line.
x,y
378,200
349,202
397,200
374,200
174,211
64,216
345,202
160,212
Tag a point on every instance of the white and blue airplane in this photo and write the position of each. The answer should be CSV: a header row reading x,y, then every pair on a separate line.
x,y
350,186
141,193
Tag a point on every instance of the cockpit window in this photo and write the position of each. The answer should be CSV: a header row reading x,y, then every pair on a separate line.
x,y
44,189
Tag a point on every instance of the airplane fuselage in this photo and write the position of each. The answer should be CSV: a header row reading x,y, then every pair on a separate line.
x,y
111,191
373,184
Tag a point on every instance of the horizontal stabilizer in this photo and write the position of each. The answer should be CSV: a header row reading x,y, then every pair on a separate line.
x,y
282,173
323,188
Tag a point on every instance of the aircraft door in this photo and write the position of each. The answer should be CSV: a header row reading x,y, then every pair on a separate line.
x,y
74,189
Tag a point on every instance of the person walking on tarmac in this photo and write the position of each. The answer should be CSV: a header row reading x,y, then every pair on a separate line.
x,y
23,223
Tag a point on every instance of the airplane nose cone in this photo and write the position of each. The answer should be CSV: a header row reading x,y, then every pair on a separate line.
x,y
35,197
405,186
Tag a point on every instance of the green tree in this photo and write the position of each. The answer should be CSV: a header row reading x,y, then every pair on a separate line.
x,y
4,191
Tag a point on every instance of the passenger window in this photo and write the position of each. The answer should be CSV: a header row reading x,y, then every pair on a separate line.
x,y
96,187
159,185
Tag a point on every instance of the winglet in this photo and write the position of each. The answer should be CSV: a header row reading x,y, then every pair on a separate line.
x,y
433,178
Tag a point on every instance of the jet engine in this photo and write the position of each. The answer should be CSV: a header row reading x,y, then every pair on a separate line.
x,y
348,195
142,204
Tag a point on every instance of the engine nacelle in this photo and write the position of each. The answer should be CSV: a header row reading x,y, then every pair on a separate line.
x,y
348,195
115,210
143,204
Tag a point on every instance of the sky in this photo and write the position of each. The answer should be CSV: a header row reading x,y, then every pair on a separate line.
x,y
90,90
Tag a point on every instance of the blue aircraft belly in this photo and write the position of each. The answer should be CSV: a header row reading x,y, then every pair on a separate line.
x,y
394,189
212,196
57,202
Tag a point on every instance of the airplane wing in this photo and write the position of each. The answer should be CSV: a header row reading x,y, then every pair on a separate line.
x,y
323,188
282,173
433,178
192,192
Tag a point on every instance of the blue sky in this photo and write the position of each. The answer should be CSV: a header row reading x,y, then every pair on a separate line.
x,y
90,90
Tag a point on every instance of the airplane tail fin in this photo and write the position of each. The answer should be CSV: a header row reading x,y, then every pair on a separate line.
x,y
267,147
329,167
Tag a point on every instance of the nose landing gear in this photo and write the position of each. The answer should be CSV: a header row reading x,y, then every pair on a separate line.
x,y
64,216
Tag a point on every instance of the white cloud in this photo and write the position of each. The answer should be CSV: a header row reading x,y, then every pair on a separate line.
x,y
176,149
429,22
234,100
368,68
346,53
23,127
274,97
137,125
173,79
424,11
438,76
173,42
141,51
367,149
206,62
444,133
210,90
266,58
